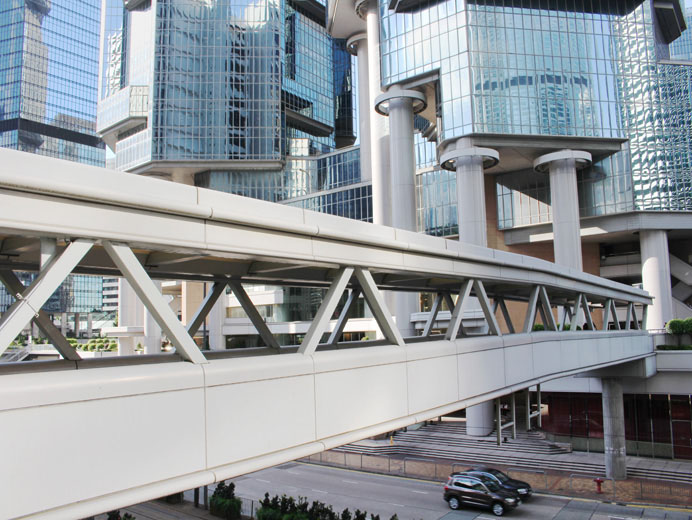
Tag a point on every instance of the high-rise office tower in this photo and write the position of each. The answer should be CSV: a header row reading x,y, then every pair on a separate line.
x,y
251,98
49,77
557,129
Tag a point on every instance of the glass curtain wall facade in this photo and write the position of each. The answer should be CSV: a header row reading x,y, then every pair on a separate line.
x,y
49,78
520,68
49,74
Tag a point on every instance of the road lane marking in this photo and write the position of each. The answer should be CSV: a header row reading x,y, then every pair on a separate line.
x,y
419,492
265,481
320,491
350,482
395,505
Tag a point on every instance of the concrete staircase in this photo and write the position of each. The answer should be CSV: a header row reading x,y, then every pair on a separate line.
x,y
449,442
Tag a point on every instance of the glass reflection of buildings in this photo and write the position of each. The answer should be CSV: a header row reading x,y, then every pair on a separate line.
x,y
248,97
49,73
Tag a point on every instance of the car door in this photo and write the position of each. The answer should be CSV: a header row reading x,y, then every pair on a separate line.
x,y
475,492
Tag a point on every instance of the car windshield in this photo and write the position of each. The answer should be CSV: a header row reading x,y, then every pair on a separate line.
x,y
501,476
489,483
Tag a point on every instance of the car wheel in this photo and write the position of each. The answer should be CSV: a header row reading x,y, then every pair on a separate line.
x,y
498,509
454,503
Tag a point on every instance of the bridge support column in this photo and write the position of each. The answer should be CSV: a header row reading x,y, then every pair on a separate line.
x,y
614,429
656,277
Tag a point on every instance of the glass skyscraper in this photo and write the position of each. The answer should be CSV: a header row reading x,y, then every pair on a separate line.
x,y
48,95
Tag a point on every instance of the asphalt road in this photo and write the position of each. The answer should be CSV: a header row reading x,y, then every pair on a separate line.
x,y
412,499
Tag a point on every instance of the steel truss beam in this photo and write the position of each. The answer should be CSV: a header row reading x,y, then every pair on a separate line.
x,y
14,286
31,299
153,300
377,306
344,316
253,314
324,313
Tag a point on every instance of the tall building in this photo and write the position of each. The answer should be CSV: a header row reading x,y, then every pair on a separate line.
x,y
556,129
254,99
49,77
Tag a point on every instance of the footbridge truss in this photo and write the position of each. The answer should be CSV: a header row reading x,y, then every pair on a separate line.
x,y
97,434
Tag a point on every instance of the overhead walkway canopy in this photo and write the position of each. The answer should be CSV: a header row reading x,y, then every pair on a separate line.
x,y
121,431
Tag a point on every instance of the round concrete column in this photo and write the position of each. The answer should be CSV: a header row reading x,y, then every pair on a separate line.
x,y
564,202
379,129
469,163
656,277
614,429
357,45
400,105
152,331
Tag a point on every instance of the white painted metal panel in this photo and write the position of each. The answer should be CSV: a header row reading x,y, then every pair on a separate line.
x,y
63,217
250,241
518,364
347,400
431,382
67,386
241,370
71,452
473,380
245,420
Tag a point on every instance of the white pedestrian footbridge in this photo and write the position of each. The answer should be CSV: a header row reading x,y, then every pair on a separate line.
x,y
86,436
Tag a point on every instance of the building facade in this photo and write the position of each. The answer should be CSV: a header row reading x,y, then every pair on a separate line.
x,y
560,130
254,99
49,77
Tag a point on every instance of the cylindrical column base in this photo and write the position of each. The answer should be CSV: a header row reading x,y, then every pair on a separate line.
x,y
614,429
656,277
480,419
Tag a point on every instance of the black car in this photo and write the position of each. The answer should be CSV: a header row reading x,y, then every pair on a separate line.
x,y
479,491
522,488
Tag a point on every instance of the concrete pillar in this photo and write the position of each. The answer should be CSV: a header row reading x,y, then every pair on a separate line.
x,y
77,327
480,419
63,323
358,46
379,128
614,429
90,324
152,331
564,202
469,162
217,316
130,314
656,277
400,105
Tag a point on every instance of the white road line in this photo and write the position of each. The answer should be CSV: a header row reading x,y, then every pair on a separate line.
x,y
294,472
320,491
265,481
419,492
350,482
395,505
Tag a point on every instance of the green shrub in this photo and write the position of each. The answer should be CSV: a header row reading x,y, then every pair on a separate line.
x,y
674,347
538,326
675,326
287,508
223,503
687,325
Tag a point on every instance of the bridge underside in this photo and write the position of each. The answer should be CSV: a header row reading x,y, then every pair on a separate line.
x,y
118,431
